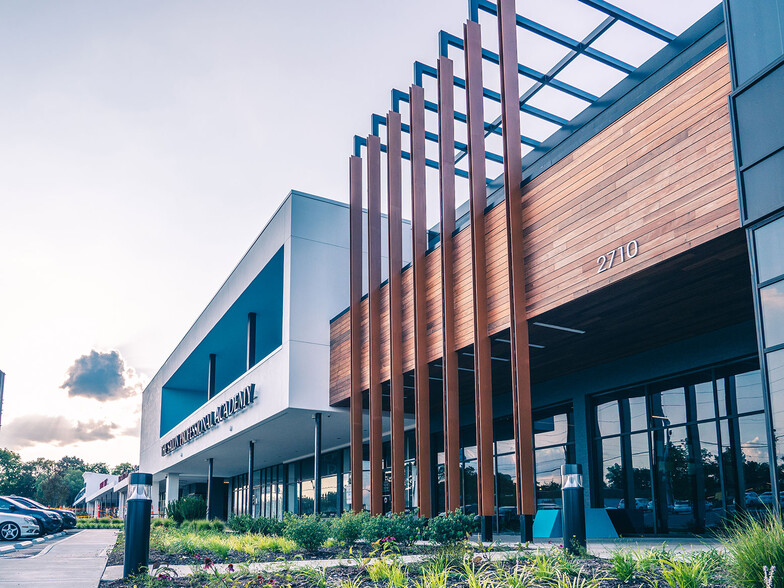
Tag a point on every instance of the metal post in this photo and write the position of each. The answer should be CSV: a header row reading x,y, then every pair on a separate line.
x,y
251,358
251,458
137,524
209,487
211,377
317,465
573,515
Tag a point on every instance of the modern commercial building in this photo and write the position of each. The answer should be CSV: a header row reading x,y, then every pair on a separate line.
x,y
602,299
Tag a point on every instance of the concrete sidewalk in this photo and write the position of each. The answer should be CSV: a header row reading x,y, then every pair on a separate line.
x,y
77,562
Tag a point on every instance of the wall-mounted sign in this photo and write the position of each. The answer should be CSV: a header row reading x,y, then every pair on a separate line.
x,y
221,412
618,255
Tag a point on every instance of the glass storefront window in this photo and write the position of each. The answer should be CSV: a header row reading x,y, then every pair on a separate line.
x,y
703,399
708,478
668,407
507,487
757,27
702,463
612,472
470,498
329,495
772,301
769,241
608,419
754,453
776,386
307,494
552,430
548,476
748,392
638,414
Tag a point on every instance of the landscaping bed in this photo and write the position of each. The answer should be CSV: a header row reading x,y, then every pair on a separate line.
x,y
204,553
463,568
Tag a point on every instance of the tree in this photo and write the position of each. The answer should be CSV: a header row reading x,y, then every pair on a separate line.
x,y
70,463
53,491
10,471
99,468
122,468
74,480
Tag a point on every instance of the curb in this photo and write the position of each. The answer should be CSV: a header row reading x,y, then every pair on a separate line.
x,y
23,544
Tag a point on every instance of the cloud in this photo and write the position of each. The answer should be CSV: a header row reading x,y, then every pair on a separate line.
x,y
28,430
99,375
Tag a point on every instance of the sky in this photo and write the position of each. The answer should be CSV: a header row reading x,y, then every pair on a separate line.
x,y
144,145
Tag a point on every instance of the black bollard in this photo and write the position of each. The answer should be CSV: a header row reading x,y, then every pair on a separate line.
x,y
573,515
137,524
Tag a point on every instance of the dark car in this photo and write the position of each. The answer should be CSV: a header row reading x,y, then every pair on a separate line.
x,y
69,518
48,520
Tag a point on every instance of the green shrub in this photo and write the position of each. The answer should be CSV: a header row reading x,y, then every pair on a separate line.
x,y
261,526
309,532
451,527
752,544
240,523
164,522
407,528
375,528
347,529
106,520
690,571
188,508
623,565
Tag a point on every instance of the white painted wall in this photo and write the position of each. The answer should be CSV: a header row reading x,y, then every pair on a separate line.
x,y
314,234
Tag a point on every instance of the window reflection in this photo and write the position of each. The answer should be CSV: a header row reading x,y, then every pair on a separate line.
x,y
770,243
668,407
608,418
702,463
772,300
776,379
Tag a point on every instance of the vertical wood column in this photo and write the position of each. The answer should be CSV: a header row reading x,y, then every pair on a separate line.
x,y
374,319
395,233
446,166
518,327
419,230
355,296
483,380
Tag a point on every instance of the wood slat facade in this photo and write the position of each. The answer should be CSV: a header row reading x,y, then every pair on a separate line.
x,y
663,175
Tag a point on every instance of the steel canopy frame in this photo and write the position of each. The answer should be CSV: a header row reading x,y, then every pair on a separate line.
x,y
507,126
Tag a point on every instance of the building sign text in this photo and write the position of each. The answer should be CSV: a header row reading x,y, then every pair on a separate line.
x,y
233,405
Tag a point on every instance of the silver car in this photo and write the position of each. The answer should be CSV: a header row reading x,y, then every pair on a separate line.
x,y
14,526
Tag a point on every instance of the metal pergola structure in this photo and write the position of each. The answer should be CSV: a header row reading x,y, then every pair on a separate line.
x,y
507,127
575,48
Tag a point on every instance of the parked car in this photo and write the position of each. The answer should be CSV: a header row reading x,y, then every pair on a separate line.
x,y
69,518
681,506
48,520
13,526
752,500
639,503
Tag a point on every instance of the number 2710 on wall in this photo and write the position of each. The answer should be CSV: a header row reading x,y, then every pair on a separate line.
x,y
618,255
